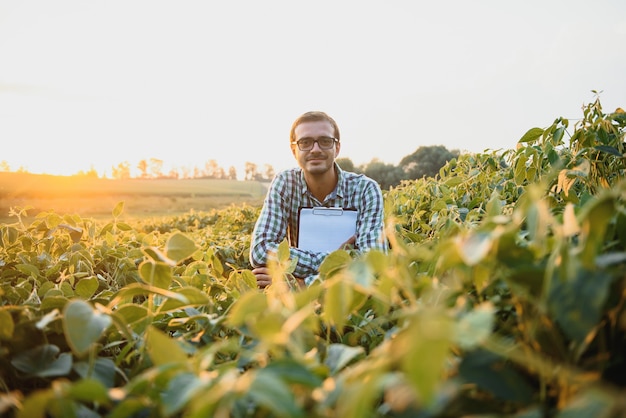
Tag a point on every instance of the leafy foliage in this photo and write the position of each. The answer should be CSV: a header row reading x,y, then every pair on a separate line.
x,y
503,293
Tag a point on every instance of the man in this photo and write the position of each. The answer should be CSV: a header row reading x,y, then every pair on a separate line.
x,y
318,181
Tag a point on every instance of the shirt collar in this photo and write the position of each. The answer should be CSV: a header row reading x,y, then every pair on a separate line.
x,y
336,193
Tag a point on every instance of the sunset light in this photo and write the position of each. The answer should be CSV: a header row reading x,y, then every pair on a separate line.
x,y
87,86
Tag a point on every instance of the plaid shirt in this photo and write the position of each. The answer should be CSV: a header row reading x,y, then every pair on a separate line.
x,y
289,192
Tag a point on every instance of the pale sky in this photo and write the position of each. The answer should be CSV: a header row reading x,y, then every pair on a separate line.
x,y
95,83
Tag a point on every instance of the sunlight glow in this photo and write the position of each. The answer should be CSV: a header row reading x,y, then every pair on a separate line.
x,y
194,82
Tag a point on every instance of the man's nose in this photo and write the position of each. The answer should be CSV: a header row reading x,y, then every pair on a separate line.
x,y
316,144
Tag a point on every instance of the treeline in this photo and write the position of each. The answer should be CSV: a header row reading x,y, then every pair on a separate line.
x,y
153,169
424,162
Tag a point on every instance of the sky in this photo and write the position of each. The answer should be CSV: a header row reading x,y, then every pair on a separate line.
x,y
92,84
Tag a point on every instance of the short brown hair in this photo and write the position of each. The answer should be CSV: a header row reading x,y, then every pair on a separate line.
x,y
312,116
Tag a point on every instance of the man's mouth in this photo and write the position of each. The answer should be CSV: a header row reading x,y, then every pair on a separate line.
x,y
316,158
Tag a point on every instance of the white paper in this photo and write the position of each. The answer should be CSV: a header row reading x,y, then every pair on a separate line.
x,y
325,229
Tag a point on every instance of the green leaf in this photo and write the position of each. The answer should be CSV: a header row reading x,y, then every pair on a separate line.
x,y
53,220
178,247
531,135
89,390
454,181
339,356
249,305
577,302
270,391
609,150
192,295
83,325
593,402
283,253
520,169
134,316
123,226
475,326
594,220
294,372
7,326
85,288
494,205
558,135
28,269
179,391
423,350
103,371
334,262
154,254
162,349
36,404
52,302
474,247
43,361
337,302
156,273
118,209
138,289
495,375
128,407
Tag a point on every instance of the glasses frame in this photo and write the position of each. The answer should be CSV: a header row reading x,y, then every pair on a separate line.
x,y
315,141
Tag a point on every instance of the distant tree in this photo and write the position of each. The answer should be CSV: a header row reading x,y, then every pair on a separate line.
x,y
251,171
142,166
4,166
387,175
173,174
232,173
426,161
156,168
213,170
269,172
122,171
183,172
346,164
91,173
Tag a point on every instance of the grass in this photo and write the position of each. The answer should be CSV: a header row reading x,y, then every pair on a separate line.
x,y
93,197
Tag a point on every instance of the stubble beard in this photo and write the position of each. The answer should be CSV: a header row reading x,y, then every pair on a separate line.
x,y
319,167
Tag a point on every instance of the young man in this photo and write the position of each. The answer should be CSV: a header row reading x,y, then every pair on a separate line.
x,y
318,181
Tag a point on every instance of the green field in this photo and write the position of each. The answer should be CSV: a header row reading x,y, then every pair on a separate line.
x,y
503,294
94,197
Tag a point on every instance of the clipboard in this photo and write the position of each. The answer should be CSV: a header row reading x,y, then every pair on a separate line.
x,y
322,229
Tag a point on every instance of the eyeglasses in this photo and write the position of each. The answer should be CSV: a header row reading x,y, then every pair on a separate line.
x,y
307,143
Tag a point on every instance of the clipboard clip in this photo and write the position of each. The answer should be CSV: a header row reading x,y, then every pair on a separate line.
x,y
323,211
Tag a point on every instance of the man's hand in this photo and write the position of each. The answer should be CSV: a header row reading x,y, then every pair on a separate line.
x,y
349,244
264,278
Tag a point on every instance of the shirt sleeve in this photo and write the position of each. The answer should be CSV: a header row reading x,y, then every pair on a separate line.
x,y
272,227
370,229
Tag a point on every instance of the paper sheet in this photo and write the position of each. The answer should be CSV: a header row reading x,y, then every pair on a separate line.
x,y
325,229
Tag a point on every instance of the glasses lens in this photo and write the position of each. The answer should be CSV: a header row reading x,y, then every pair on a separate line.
x,y
305,144
324,142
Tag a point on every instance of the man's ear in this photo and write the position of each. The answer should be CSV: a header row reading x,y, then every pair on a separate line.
x,y
338,147
293,150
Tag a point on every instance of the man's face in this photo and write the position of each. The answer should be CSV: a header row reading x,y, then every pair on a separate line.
x,y
317,160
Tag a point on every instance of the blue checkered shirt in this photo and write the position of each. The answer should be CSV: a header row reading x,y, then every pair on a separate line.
x,y
279,217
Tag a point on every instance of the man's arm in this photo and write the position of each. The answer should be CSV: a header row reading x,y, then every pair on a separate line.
x,y
272,226
370,225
